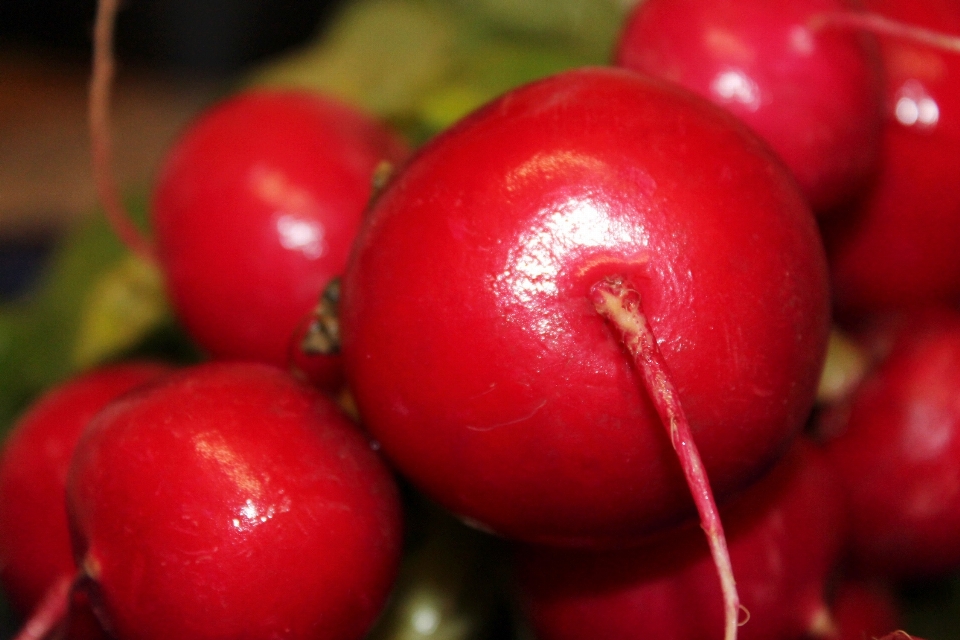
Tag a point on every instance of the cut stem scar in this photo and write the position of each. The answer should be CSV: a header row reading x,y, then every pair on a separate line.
x,y
619,302
881,25
101,144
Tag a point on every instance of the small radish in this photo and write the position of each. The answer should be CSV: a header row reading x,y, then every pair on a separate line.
x,y
255,210
785,535
899,248
813,93
231,501
481,360
896,448
34,538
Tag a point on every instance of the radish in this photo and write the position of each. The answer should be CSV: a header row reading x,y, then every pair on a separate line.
x,y
899,248
480,357
813,93
35,548
231,501
896,448
785,535
481,365
254,210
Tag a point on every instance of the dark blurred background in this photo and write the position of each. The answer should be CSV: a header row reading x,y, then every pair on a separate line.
x,y
175,56
208,36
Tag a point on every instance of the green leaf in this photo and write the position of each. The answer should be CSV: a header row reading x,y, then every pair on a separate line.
x,y
488,67
423,64
125,304
379,54
62,326
590,26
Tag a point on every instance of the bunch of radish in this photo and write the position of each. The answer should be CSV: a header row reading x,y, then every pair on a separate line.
x,y
586,317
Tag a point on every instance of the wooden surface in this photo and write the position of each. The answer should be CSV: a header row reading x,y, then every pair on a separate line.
x,y
45,177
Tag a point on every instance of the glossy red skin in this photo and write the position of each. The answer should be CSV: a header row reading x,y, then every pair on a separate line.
x,y
814,96
899,248
254,212
233,502
34,538
898,454
478,361
785,537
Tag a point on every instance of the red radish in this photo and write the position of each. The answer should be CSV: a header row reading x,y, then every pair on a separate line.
x,y
484,364
472,345
900,246
34,539
254,212
814,95
231,501
898,453
785,536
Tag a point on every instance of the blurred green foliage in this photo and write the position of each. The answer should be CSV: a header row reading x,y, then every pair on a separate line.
x,y
423,64
94,302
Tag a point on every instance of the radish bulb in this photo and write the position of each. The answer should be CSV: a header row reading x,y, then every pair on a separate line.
x,y
36,561
814,94
231,501
254,211
895,444
786,535
472,344
898,249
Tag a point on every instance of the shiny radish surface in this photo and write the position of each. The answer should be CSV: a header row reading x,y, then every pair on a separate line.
x,y
899,247
897,453
34,537
785,535
254,211
475,353
814,94
231,501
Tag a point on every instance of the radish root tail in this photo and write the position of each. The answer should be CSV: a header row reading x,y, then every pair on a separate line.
x,y
101,143
619,303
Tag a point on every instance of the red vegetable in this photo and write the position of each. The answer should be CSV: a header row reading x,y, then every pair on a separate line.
x,y
899,248
785,535
898,452
34,539
255,211
472,344
814,94
230,501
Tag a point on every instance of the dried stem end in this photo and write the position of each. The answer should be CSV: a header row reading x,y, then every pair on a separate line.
x,y
323,333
